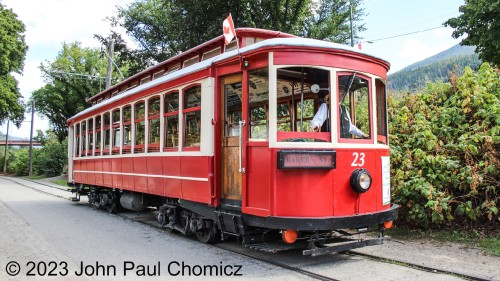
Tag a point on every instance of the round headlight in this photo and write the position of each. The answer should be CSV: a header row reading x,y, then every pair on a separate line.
x,y
360,180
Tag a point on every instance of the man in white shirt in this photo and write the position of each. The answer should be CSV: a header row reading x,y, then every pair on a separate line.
x,y
323,115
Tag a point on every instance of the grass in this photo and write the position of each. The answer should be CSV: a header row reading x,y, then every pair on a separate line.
x,y
62,182
35,177
488,243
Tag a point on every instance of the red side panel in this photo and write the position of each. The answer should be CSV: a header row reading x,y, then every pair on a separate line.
x,y
90,176
107,169
172,168
77,176
98,169
116,179
258,188
155,184
83,167
127,168
140,167
196,189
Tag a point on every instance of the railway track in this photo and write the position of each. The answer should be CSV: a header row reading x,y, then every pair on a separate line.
x,y
148,218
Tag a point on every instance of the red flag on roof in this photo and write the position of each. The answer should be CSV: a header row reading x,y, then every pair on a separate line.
x,y
359,45
228,29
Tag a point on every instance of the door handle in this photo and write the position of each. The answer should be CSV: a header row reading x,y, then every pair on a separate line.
x,y
240,148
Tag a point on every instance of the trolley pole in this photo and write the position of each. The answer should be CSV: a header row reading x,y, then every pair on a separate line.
x,y
6,145
31,138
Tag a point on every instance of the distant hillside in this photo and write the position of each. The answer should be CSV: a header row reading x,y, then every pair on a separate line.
x,y
435,68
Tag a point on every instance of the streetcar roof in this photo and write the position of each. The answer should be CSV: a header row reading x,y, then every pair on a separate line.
x,y
274,42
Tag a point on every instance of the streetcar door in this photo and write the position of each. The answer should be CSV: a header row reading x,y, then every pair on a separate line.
x,y
231,150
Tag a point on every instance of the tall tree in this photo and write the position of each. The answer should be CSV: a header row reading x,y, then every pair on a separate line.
x,y
164,28
76,74
480,21
332,20
12,53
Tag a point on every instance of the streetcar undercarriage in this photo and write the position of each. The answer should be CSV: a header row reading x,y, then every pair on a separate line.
x,y
210,224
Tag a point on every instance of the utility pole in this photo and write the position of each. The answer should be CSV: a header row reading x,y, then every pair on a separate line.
x,y
110,61
31,138
6,145
350,19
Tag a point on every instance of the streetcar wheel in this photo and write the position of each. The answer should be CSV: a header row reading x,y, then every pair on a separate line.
x,y
207,235
112,208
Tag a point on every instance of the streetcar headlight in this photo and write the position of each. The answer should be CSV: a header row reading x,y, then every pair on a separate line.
x,y
361,180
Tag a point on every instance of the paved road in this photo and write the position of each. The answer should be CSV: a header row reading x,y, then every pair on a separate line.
x,y
37,229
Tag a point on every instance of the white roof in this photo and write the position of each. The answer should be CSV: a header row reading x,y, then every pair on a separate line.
x,y
293,42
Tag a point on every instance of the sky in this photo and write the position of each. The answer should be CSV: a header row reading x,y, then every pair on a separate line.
x,y
49,23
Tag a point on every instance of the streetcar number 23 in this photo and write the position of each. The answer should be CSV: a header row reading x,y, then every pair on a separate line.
x,y
359,159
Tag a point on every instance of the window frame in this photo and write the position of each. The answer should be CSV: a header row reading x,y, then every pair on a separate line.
x,y
106,127
98,150
127,149
370,110
154,147
167,114
139,148
115,126
185,111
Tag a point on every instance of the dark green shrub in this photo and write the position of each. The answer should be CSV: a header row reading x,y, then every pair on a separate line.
x,y
445,150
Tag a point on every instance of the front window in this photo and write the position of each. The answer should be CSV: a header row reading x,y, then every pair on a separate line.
x,y
382,135
354,106
192,116
301,93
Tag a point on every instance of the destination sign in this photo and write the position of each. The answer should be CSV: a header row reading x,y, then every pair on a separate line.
x,y
293,159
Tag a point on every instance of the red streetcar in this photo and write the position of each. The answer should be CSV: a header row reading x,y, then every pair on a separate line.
x,y
226,142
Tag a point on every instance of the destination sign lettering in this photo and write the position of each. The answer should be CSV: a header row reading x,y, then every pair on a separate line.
x,y
306,159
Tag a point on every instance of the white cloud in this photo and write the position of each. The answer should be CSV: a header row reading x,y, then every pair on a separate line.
x,y
51,22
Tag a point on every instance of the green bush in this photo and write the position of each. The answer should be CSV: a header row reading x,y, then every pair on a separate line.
x,y
52,158
445,150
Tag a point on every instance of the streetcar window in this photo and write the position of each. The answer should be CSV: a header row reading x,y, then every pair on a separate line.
x,y
258,101
140,134
154,124
91,136
382,136
192,116
98,121
116,131
297,103
233,106
171,119
127,131
84,138
107,135
77,141
354,107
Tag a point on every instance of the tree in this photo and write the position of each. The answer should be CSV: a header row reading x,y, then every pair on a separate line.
x,y
480,21
76,75
164,28
12,53
332,19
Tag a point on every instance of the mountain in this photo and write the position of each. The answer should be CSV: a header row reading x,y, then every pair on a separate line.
x,y
433,69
